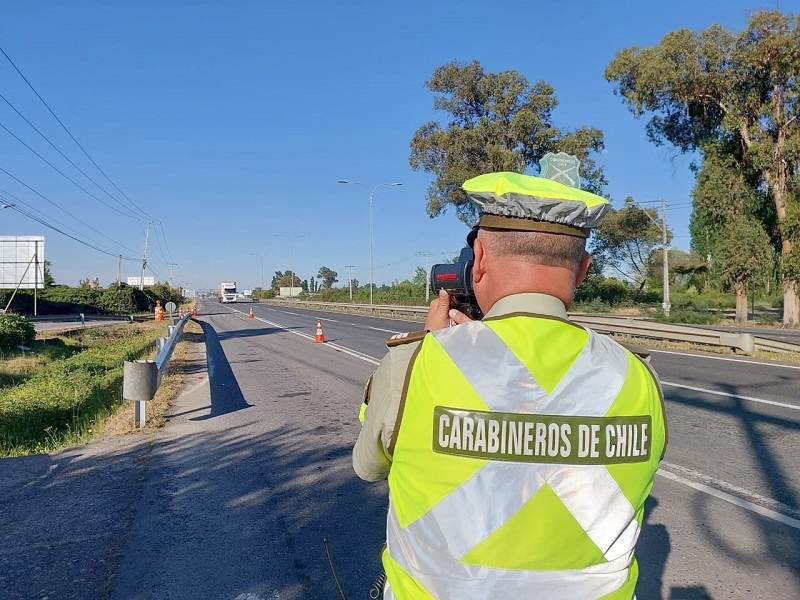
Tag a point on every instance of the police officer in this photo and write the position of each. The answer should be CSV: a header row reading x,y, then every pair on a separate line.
x,y
519,449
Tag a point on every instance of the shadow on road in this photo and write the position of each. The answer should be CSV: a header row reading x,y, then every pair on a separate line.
x,y
762,434
226,395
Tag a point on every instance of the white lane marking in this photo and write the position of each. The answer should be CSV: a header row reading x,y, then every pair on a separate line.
x,y
291,313
734,396
351,352
740,502
756,508
730,359
385,330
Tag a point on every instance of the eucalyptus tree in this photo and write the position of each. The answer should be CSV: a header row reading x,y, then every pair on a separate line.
x,y
745,256
741,90
328,277
624,242
495,122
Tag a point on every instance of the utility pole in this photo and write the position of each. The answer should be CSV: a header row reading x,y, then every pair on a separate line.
x,y
665,260
119,272
427,276
35,275
144,258
666,256
350,281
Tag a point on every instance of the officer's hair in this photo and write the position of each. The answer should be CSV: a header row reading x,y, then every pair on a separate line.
x,y
541,248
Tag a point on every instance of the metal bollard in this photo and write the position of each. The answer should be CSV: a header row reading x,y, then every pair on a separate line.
x,y
139,384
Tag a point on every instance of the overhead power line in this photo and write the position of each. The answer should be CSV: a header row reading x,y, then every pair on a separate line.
x,y
137,210
67,177
72,237
45,198
72,137
82,172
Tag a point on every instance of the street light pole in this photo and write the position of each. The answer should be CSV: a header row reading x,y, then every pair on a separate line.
x,y
371,244
291,239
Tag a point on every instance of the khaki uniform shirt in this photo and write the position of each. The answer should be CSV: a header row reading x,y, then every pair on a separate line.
x,y
371,460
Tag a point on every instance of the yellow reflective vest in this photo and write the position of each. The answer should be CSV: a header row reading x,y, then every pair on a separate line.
x,y
524,451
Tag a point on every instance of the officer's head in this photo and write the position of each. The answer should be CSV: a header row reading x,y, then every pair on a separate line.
x,y
531,235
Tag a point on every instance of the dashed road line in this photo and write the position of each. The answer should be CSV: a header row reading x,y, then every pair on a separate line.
x,y
729,395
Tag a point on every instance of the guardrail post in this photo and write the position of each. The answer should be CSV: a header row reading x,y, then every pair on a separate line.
x,y
139,384
742,341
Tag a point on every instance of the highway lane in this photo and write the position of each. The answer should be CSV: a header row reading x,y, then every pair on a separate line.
x,y
731,418
723,519
735,420
252,472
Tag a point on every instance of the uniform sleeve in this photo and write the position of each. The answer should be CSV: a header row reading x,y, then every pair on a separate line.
x,y
370,460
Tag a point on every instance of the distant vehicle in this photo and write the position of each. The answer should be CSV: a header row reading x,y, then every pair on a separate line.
x,y
227,291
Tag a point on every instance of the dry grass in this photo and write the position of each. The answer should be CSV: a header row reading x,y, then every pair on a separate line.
x,y
121,422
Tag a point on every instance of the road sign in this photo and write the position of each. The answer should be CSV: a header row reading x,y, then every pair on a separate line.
x,y
561,167
170,306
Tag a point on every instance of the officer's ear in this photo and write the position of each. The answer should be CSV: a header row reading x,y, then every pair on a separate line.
x,y
583,268
479,264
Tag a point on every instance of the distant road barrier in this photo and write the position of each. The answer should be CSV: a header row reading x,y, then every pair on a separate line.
x,y
142,378
744,342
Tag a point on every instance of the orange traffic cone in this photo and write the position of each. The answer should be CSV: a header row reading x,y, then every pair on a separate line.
x,y
251,315
319,339
194,311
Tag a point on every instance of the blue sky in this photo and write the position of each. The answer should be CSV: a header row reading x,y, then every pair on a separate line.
x,y
230,123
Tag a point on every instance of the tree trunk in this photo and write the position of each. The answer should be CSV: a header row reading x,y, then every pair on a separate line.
x,y
741,305
791,304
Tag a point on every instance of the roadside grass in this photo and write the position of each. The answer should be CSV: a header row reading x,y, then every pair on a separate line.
x,y
59,392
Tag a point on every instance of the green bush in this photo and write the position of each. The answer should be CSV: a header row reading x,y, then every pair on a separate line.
x,y
767,319
596,305
15,331
66,398
687,317
119,300
64,300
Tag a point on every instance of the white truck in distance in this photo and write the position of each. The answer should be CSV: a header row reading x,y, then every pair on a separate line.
x,y
227,291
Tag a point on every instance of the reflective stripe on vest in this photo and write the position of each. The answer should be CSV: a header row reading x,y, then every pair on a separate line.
x,y
430,548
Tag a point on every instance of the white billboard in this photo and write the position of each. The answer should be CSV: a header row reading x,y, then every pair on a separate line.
x,y
134,281
21,262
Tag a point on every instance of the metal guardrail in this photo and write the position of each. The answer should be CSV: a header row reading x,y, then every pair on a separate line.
x,y
667,331
767,345
745,342
142,378
79,317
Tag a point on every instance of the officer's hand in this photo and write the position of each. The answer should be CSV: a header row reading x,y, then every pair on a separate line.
x,y
441,315
458,317
438,317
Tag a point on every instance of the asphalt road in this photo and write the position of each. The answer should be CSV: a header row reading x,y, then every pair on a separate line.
x,y
233,498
